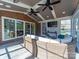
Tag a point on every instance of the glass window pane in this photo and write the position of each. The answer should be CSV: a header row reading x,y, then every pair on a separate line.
x,y
20,28
32,28
6,29
9,28
66,27
27,28
43,28
12,28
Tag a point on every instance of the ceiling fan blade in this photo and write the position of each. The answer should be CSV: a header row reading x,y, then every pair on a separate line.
x,y
44,8
48,1
31,10
41,4
56,2
50,8
35,14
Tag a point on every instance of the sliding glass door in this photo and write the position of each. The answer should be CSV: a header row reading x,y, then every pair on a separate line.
x,y
13,28
29,28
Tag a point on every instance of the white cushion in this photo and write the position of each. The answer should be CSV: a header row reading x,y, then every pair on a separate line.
x,y
66,40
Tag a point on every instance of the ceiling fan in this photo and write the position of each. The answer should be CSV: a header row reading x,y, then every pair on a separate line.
x,y
48,4
32,12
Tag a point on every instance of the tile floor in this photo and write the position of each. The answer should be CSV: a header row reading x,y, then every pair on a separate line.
x,y
14,51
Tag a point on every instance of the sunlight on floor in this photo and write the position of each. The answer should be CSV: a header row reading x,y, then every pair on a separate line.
x,y
77,55
14,52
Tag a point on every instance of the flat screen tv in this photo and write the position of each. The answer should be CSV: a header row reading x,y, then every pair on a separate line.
x,y
52,24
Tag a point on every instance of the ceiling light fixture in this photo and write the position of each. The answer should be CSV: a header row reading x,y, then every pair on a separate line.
x,y
47,16
8,6
1,4
63,12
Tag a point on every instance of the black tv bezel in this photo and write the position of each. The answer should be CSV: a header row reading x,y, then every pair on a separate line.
x,y
53,24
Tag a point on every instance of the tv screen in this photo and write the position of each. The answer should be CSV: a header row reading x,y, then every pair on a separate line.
x,y
52,24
